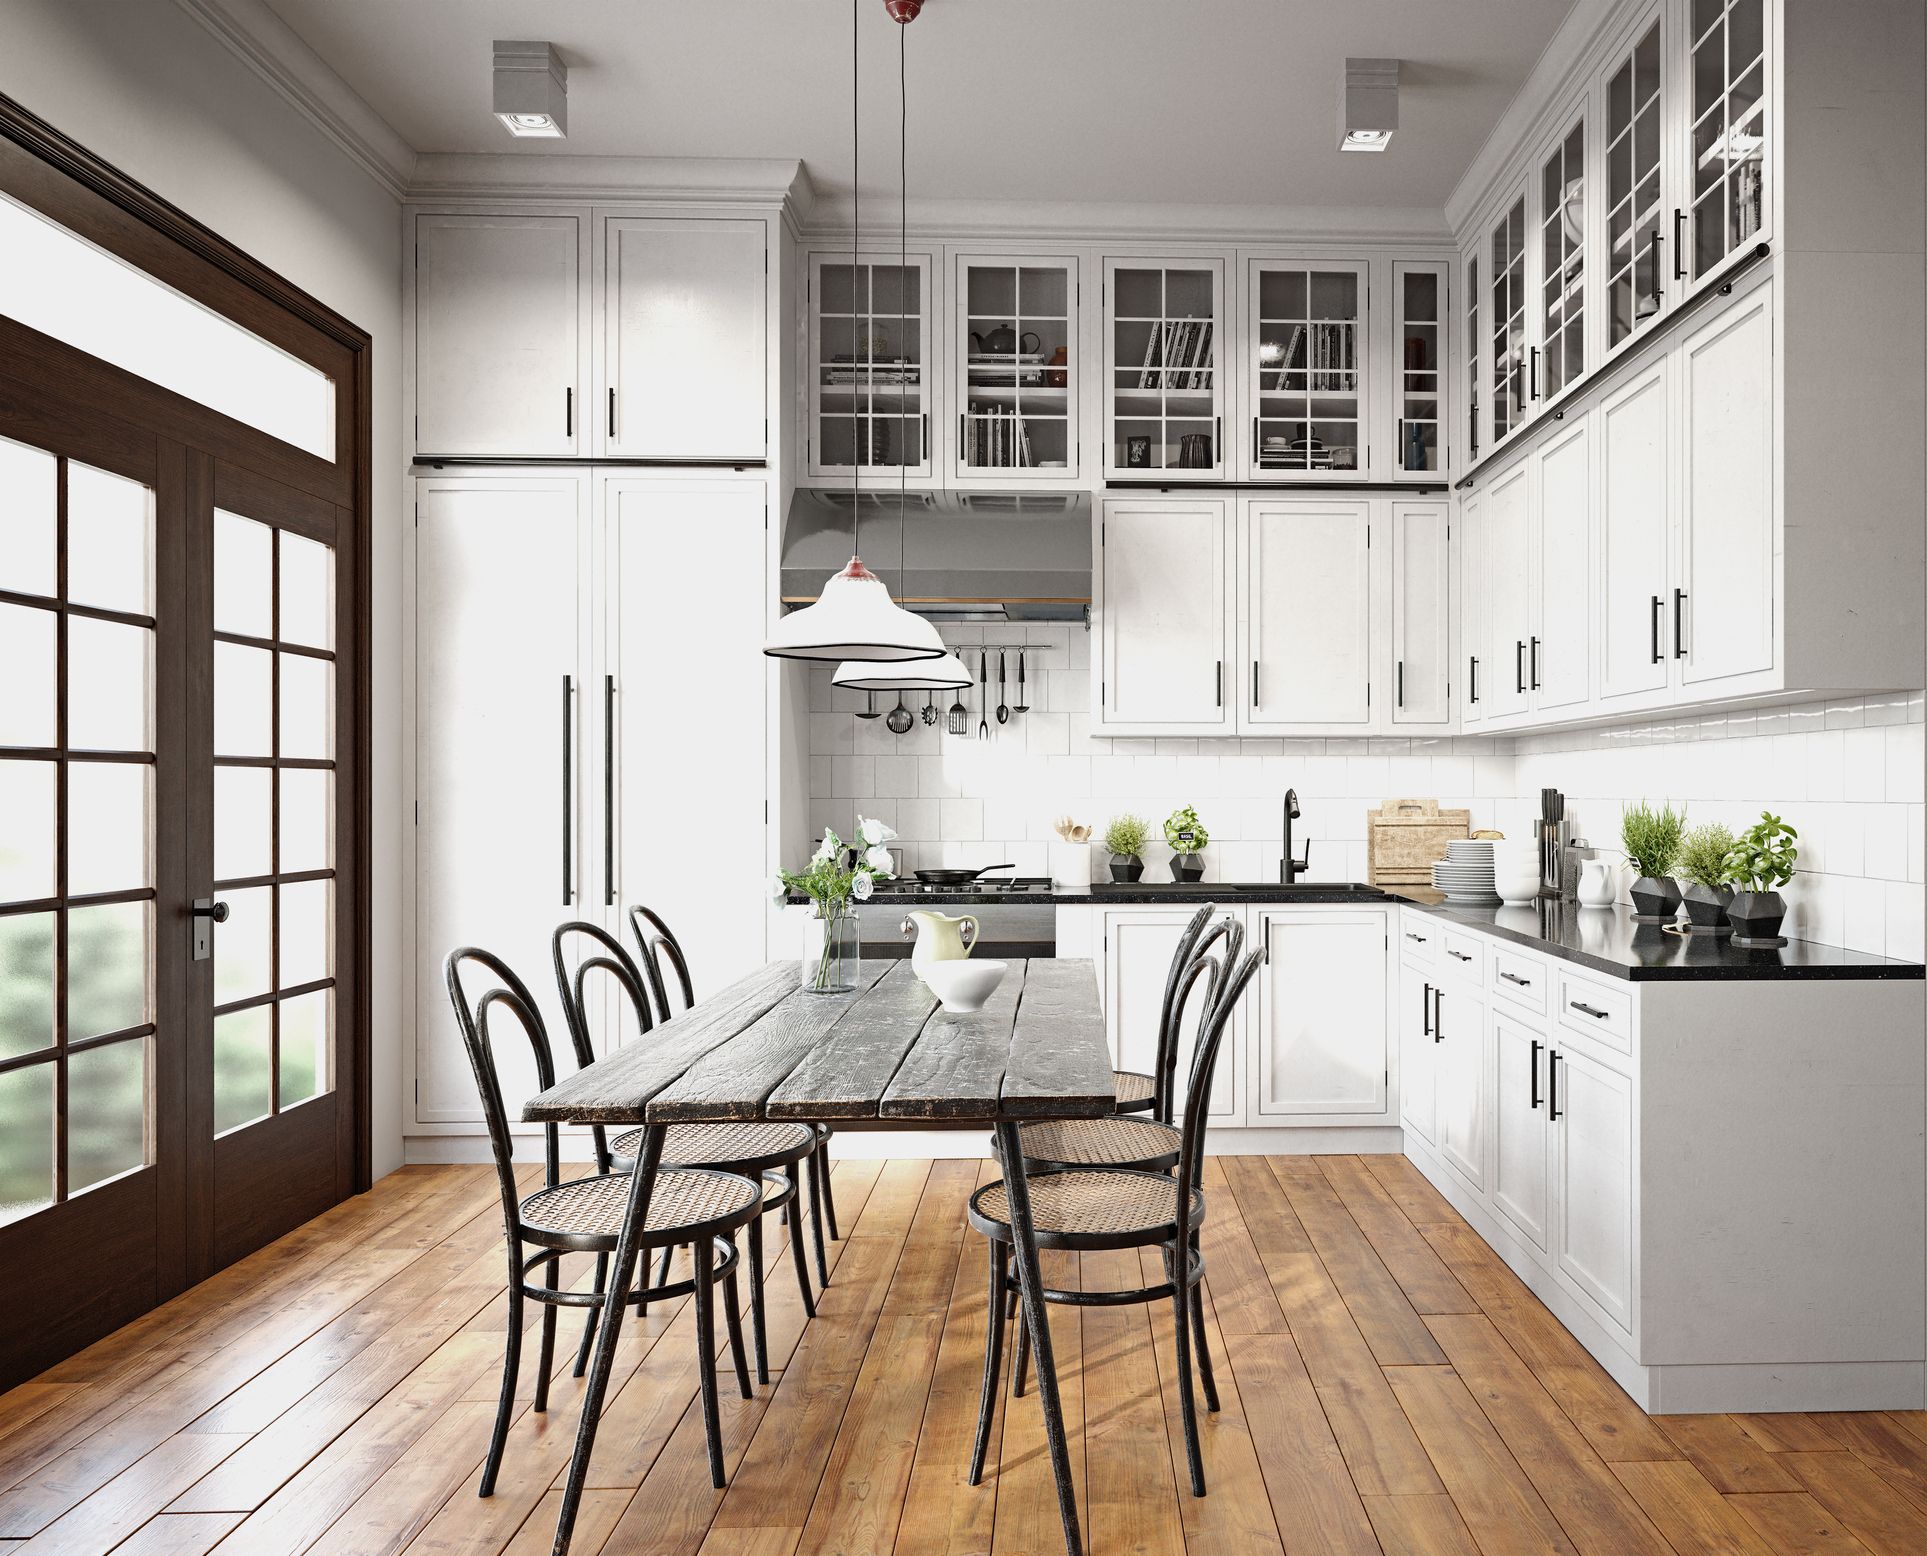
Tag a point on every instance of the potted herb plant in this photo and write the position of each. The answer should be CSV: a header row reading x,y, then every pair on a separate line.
x,y
1760,863
832,881
1702,863
1187,837
1651,838
1124,837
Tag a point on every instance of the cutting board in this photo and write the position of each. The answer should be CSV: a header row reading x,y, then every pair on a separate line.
x,y
1405,838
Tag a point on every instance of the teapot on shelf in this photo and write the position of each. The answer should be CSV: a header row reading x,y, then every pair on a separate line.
x,y
1005,341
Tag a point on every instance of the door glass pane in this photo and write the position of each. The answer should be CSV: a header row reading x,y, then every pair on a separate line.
x,y
243,822
26,986
243,701
304,1046
27,839
243,576
1632,189
307,808
242,962
27,680
110,541
107,968
29,499
307,706
26,1140
107,1110
110,670
304,933
107,826
243,1066
307,592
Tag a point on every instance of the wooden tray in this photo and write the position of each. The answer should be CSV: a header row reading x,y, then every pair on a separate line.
x,y
1405,838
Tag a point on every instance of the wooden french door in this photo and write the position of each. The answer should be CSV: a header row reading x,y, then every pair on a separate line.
x,y
183,832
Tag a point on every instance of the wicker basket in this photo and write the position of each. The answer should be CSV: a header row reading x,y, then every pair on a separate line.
x,y
1405,838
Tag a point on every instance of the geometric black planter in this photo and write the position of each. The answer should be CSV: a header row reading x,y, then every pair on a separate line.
x,y
1187,867
1126,867
1756,917
1655,900
1706,907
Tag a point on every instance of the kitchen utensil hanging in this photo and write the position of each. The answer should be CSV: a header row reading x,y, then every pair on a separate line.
x,y
900,718
1022,706
983,696
1003,702
929,708
870,710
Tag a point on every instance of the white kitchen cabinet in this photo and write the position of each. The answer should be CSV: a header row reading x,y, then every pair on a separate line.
x,y
1420,376
1417,1052
1630,554
1165,346
873,364
501,322
1138,944
684,342
1459,1051
1018,403
1323,1046
1161,599
1421,613
1474,704
1507,305
1308,639
1521,1138
1590,1105
1506,558
1559,655
1307,353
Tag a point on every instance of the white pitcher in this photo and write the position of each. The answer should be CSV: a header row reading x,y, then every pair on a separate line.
x,y
941,937
1598,883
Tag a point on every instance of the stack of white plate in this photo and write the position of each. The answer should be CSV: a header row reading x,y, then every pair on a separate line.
x,y
1466,873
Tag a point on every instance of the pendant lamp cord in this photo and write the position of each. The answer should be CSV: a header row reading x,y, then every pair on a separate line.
x,y
903,286
856,229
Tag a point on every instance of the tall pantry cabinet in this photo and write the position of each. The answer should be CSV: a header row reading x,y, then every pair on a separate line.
x,y
595,474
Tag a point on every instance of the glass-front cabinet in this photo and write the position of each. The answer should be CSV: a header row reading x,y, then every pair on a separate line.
x,y
1727,138
1506,322
1474,347
1164,337
1559,358
872,365
1635,288
1306,355
1015,371
1418,377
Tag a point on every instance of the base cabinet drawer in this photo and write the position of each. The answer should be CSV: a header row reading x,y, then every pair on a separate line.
x,y
1523,980
1598,1010
1463,956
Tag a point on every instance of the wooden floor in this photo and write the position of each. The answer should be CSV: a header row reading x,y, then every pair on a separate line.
x,y
1388,1387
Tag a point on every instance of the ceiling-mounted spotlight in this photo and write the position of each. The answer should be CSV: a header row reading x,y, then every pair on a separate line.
x,y
531,89
1367,104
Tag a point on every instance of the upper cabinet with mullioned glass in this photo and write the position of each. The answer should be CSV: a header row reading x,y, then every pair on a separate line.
x,y
1306,356
1164,386
1015,372
1419,382
873,366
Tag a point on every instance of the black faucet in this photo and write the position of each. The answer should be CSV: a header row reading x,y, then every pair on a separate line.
x,y
1290,865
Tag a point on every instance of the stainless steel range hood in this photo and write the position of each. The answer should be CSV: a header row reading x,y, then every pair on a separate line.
x,y
974,556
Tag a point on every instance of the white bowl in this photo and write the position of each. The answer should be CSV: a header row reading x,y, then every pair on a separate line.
x,y
963,986
1518,888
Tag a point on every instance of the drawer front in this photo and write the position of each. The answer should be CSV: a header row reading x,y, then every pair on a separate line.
x,y
1520,979
1418,939
1463,956
1602,1012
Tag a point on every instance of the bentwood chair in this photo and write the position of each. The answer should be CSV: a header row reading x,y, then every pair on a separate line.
x,y
658,943
1142,1092
1097,1208
768,1153
700,1208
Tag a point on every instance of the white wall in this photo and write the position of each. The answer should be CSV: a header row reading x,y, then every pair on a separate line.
x,y
143,85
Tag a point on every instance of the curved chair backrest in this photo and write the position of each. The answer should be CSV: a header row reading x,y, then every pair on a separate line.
x,y
503,991
657,942
1171,1034
1228,982
604,953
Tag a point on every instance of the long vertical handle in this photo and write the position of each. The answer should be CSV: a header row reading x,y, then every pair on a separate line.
x,y
1425,1009
1254,685
1536,1046
1438,1015
568,412
1656,609
1652,262
1399,692
1679,244
612,412
1519,665
608,791
1552,1083
1534,657
1221,683
1532,391
1472,679
1679,623
568,790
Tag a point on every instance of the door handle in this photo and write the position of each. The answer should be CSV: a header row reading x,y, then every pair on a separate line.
x,y
1679,623
1400,684
1410,936
1472,679
1588,1010
1652,263
1679,245
1519,665
1254,684
206,914
608,791
568,412
1552,1083
1656,609
612,412
1536,1046
1533,376
1524,983
568,790
1221,683
1425,1009
1438,1015
1534,658
1463,956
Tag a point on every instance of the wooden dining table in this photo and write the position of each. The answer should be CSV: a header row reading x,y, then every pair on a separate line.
x,y
881,1056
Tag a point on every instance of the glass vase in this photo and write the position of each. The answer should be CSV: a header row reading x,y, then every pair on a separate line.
x,y
829,951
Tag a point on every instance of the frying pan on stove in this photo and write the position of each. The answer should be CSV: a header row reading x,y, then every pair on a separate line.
x,y
956,877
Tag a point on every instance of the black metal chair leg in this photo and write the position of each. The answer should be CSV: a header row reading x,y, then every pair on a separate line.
x,y
588,1329
829,1188
705,1295
1205,1375
733,1321
755,1230
993,1356
511,1366
817,1175
546,1364
797,1256
1187,1401
1020,1363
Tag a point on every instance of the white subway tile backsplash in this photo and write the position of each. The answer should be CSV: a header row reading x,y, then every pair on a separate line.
x,y
1865,764
1906,770
896,776
853,776
960,820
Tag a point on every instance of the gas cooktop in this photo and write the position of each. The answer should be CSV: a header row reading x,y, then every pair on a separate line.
x,y
988,886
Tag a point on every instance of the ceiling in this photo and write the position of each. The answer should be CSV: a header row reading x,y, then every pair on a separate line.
x,y
1209,102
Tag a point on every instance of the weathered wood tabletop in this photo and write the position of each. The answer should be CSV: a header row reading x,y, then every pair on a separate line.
x,y
881,1056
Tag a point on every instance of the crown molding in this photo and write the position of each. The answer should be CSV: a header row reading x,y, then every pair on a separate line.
x,y
276,53
562,176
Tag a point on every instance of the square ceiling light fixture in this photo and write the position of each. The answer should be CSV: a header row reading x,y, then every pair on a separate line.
x,y
1367,104
531,89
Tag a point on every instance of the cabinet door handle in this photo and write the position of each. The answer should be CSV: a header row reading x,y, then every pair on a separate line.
x,y
1472,679
1438,1015
1552,1083
1399,691
923,448
1587,1010
608,791
1532,392
1217,438
1519,665
1221,683
1656,610
1536,1046
568,790
1463,956
1652,263
1254,684
1679,623
568,412
1524,983
1425,1009
1679,245
1410,936
1534,658
612,412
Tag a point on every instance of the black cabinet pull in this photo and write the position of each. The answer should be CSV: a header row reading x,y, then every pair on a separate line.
x,y
1401,683
1410,936
1533,380
1587,1010
1552,1083
568,412
1464,956
923,448
1221,683
1534,659
1217,437
1679,623
1519,665
1438,1015
1472,679
608,791
568,790
1656,609
612,411
1254,683
1425,1009
1536,1046
1679,245
1652,262
1524,983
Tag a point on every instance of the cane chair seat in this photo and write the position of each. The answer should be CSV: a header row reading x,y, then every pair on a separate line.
x,y
1136,1091
586,1213
1117,1141
1108,1207
735,1145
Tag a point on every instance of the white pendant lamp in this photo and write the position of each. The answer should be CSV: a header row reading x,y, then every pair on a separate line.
x,y
921,675
854,617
